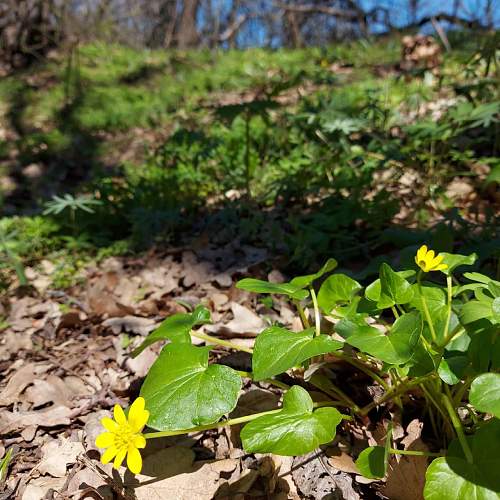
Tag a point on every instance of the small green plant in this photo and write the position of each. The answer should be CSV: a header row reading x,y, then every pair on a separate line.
x,y
404,330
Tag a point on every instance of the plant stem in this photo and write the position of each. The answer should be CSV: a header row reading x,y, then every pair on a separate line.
x,y
305,321
272,381
425,308
414,453
448,315
393,393
317,321
395,312
217,341
457,425
231,421
361,367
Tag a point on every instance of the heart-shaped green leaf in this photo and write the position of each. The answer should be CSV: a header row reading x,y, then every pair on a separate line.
x,y
395,348
372,463
278,349
183,391
303,281
454,260
453,478
485,393
338,288
452,368
394,289
176,328
374,290
476,310
296,429
259,286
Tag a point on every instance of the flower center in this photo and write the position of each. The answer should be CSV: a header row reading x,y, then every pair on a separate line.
x,y
124,436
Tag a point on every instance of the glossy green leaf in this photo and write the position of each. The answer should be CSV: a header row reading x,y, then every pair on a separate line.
x,y
182,391
278,349
338,288
393,288
453,478
476,310
372,463
176,328
435,298
303,281
485,393
259,286
397,347
373,291
452,368
454,260
294,430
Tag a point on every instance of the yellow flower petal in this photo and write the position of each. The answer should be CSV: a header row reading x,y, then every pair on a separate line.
x,y
109,424
137,415
134,460
120,457
105,440
437,260
139,441
109,454
430,255
441,267
421,252
119,415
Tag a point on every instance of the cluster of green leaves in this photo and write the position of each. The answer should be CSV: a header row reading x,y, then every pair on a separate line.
x,y
441,338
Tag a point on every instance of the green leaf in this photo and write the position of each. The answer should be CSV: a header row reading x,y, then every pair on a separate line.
x,y
182,391
176,328
4,464
476,310
373,291
260,286
278,349
337,288
296,429
395,348
485,393
452,368
393,288
435,298
454,260
453,478
372,463
303,281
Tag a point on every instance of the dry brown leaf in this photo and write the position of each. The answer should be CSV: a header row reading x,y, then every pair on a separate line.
x,y
14,342
340,460
39,487
17,383
170,473
245,320
50,417
57,454
130,324
51,390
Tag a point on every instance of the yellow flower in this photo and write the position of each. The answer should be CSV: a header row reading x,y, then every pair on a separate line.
x,y
124,436
428,261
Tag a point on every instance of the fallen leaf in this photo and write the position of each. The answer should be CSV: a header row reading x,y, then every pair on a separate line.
x,y
130,324
57,454
245,320
50,417
171,473
17,383
38,488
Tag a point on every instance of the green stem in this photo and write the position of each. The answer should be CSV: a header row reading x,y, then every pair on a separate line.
x,y
272,381
395,312
457,425
448,314
425,308
394,392
414,453
317,321
231,421
217,341
305,321
361,367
